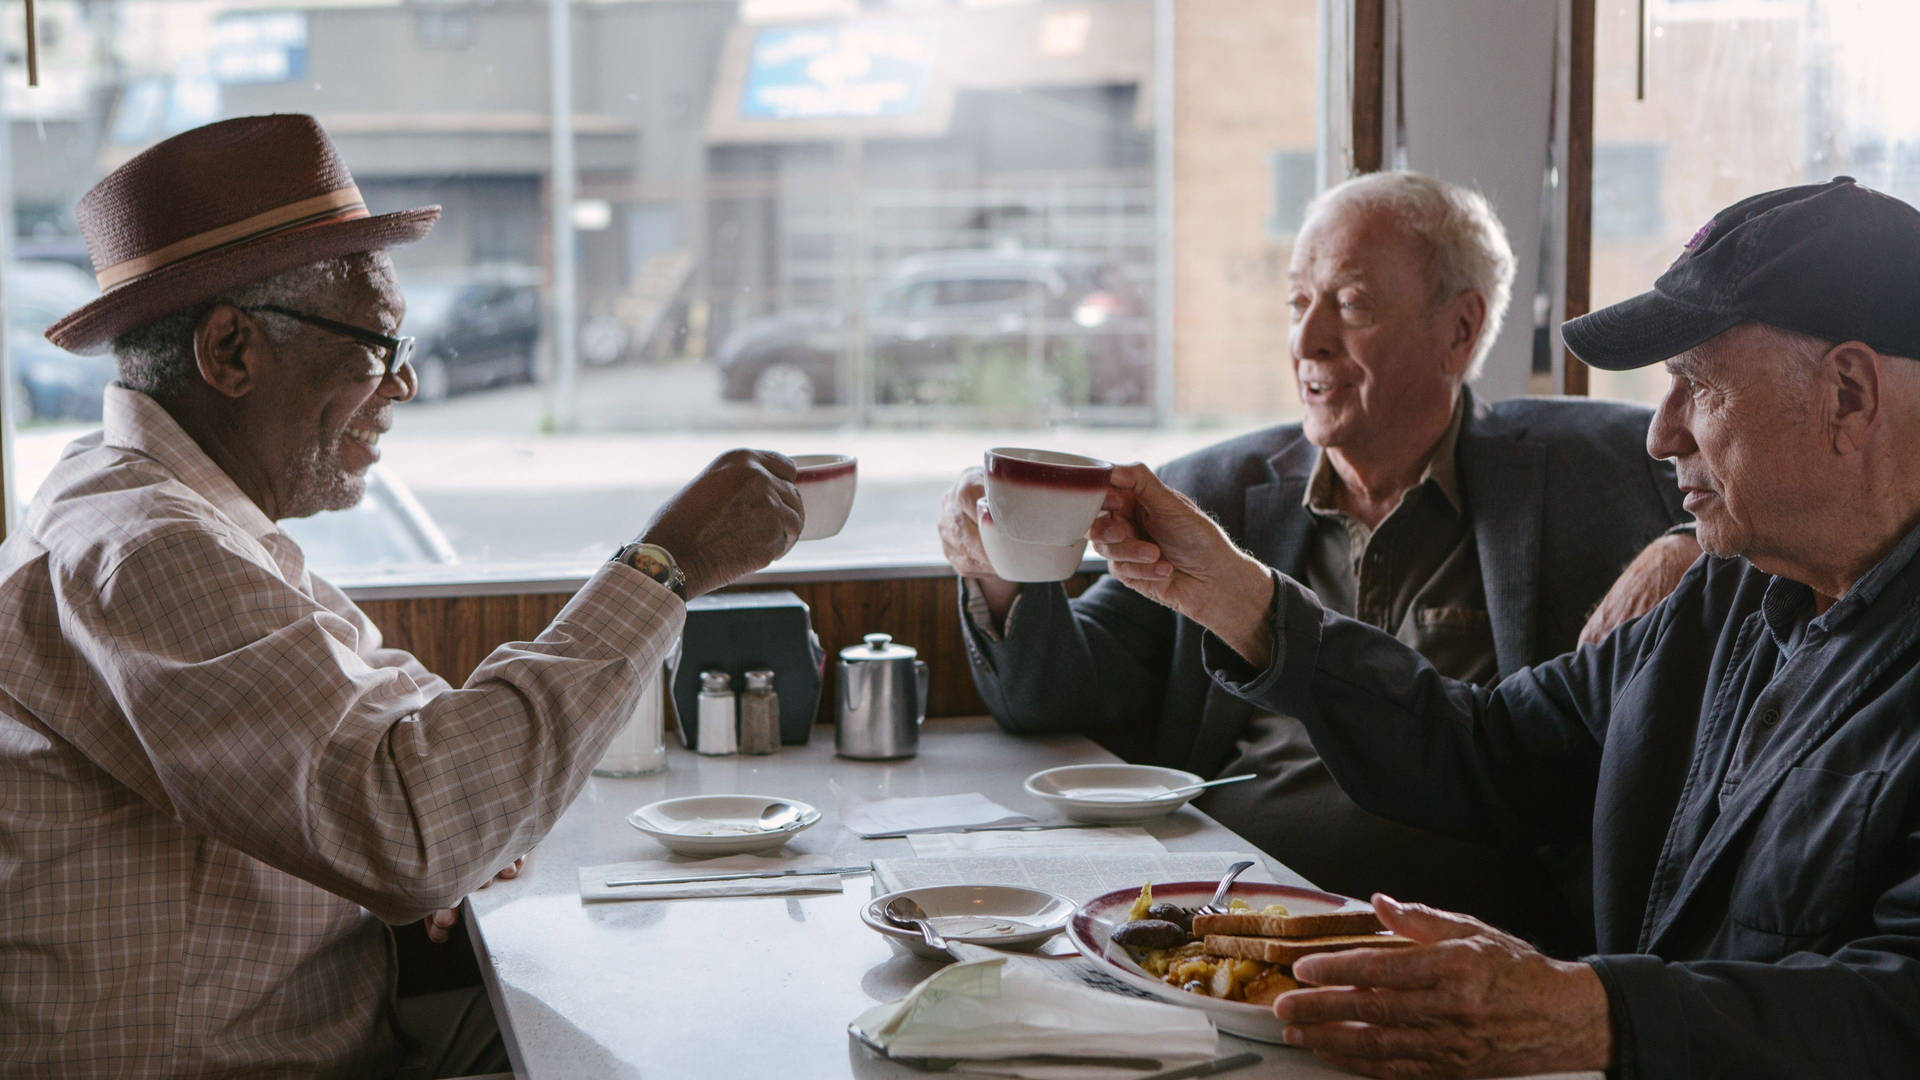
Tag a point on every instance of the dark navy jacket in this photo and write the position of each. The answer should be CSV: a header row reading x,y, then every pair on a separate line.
x,y
1751,926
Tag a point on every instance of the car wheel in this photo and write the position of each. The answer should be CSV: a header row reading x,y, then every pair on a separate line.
x,y
784,388
434,381
604,340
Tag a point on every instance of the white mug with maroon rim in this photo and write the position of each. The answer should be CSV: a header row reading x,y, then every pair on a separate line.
x,y
1044,496
826,483
1015,560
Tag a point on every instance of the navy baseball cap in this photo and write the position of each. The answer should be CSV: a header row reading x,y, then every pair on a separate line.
x,y
1836,260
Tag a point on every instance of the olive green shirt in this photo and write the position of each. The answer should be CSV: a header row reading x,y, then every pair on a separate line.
x,y
1417,576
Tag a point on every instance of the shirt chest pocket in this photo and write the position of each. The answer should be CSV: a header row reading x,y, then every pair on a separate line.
x,y
1799,876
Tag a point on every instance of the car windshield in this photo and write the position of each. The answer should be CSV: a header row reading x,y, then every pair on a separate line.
x,y
429,300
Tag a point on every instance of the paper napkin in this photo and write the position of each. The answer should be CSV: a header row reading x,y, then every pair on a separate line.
x,y
993,1018
870,817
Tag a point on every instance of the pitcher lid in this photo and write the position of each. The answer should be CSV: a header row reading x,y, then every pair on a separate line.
x,y
878,647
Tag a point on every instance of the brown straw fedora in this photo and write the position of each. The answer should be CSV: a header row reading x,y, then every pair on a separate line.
x,y
214,208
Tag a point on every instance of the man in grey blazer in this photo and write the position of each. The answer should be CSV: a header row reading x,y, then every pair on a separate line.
x,y
1481,535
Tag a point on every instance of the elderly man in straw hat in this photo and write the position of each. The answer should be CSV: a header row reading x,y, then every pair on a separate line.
x,y
217,785
1745,758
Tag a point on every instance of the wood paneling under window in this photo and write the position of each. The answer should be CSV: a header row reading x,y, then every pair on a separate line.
x,y
451,635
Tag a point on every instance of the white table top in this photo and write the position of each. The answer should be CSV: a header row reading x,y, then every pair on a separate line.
x,y
748,986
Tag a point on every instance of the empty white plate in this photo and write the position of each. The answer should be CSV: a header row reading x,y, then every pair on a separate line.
x,y
717,824
1003,916
1114,794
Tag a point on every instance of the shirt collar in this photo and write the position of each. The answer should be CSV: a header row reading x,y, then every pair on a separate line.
x,y
1442,469
1787,602
133,421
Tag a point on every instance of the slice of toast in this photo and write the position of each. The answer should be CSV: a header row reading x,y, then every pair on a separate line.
x,y
1287,950
1325,924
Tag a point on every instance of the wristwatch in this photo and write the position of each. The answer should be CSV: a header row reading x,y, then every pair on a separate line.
x,y
655,562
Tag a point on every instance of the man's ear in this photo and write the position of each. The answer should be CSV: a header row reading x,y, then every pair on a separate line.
x,y
1853,381
229,348
1464,318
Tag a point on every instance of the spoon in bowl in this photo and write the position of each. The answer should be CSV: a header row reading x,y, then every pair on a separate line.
x,y
902,911
777,816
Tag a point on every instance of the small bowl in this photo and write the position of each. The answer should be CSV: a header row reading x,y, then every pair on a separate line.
x,y
718,824
1017,560
1003,916
1111,794
826,484
1043,496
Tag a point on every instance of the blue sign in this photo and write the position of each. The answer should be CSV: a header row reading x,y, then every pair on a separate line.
x,y
839,71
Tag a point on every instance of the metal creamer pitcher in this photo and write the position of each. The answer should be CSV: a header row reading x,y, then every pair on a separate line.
x,y
883,700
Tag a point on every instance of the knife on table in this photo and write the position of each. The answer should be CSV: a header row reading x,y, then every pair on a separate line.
x,y
823,871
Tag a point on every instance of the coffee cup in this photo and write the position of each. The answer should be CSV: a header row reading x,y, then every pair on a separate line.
x,y
1015,560
826,484
1044,496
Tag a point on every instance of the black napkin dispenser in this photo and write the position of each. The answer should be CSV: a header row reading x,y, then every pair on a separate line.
x,y
738,632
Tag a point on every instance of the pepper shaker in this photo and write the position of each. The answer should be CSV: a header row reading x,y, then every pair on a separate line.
x,y
716,715
759,714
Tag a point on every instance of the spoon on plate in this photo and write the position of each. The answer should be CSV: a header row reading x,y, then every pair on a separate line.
x,y
1155,796
902,911
777,816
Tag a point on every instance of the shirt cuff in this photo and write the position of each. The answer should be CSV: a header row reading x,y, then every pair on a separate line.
x,y
627,610
1293,623
1646,1015
975,602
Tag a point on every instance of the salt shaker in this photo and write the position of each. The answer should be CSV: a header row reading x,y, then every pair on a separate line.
x,y
715,717
759,714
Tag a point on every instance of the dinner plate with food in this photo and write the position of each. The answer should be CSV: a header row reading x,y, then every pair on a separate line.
x,y
1230,965
723,824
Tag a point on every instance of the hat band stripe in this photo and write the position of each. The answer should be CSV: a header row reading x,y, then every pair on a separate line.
x,y
342,204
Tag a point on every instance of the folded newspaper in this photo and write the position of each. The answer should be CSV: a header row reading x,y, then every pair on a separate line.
x,y
993,1018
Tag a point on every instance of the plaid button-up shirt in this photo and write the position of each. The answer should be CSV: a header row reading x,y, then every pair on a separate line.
x,y
215,783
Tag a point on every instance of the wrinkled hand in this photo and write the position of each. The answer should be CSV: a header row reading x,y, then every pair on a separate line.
x,y
960,542
1158,543
960,525
1470,1001
741,513
440,923
1646,581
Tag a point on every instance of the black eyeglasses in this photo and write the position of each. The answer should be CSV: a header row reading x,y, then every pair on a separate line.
x,y
394,352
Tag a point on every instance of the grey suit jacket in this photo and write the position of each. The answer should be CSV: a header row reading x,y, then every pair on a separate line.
x,y
1562,495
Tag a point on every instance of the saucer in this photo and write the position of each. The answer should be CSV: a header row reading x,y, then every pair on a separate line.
x,y
1114,794
1002,916
718,824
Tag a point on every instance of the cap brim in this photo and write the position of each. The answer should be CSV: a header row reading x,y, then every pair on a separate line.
x,y
92,328
1647,329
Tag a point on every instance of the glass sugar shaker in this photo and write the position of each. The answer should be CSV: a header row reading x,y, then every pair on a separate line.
x,y
759,714
715,732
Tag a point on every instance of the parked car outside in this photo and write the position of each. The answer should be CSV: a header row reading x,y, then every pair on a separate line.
x,y
50,383
386,530
942,324
476,328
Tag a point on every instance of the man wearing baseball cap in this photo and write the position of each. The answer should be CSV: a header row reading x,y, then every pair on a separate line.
x,y
215,783
1745,758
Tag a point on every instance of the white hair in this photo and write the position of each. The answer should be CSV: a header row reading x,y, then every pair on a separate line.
x,y
1468,244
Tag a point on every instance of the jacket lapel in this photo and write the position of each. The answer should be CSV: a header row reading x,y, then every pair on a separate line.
x,y
1274,527
1504,475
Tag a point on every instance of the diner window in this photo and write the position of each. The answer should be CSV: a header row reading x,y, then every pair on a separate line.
x,y
1741,96
905,231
